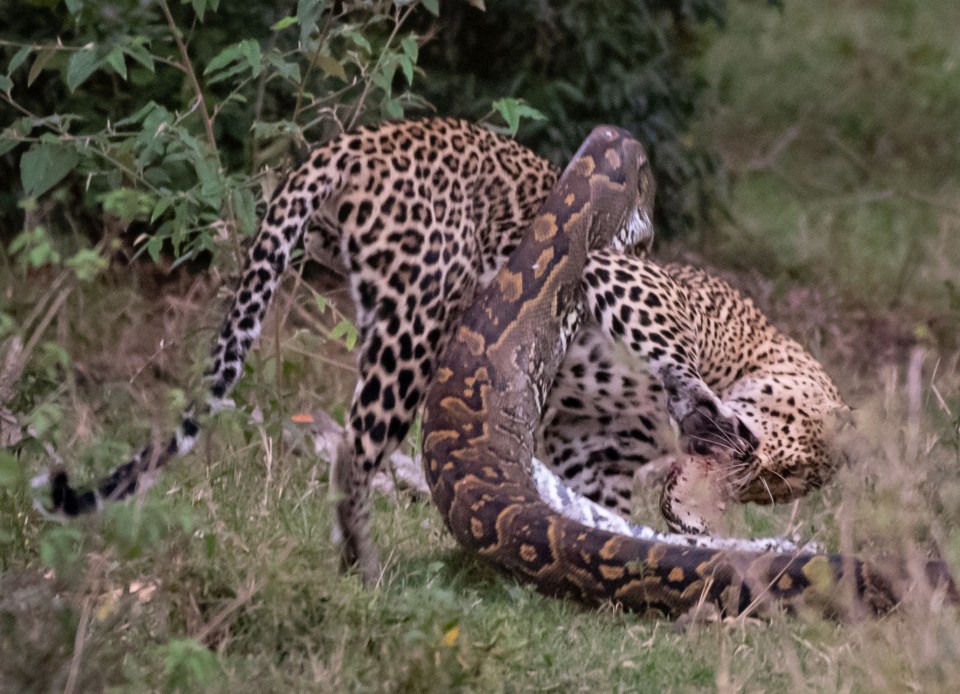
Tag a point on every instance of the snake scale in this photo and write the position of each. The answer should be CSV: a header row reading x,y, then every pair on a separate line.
x,y
484,405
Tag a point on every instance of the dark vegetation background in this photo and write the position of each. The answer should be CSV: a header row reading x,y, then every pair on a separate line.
x,y
576,62
809,152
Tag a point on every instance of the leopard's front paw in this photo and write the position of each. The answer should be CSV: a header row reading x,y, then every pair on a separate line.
x,y
692,497
707,431
357,551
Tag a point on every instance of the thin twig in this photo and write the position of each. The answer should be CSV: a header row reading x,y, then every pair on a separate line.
x,y
914,398
188,70
847,152
245,595
78,643
45,321
927,200
401,17
768,160
207,122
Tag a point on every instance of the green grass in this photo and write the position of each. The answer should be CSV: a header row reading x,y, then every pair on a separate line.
x,y
838,125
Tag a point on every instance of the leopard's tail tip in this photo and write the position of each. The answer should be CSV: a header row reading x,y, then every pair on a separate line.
x,y
65,501
51,513
40,480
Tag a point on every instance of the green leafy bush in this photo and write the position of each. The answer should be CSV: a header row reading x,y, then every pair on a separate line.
x,y
158,115
162,114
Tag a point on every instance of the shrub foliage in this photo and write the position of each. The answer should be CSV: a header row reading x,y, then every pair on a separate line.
x,y
166,114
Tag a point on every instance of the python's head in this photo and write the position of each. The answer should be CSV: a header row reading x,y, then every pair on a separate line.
x,y
635,236
622,189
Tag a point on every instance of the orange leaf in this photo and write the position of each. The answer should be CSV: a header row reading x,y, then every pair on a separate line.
x,y
450,637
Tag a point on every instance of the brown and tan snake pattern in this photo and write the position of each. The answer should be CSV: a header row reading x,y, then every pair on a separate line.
x,y
482,411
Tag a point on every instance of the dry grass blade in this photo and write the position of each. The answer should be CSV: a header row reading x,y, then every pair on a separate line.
x,y
220,621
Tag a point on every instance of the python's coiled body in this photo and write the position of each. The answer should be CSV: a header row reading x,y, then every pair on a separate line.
x,y
483,408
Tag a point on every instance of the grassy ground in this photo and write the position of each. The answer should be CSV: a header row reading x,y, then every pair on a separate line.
x,y
838,125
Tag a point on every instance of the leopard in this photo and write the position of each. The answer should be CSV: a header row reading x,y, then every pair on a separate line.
x,y
679,370
418,215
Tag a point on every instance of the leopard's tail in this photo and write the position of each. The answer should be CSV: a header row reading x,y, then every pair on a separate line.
x,y
295,202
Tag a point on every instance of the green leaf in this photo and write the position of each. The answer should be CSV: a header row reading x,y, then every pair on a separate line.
x,y
81,65
127,203
332,67
308,11
392,109
60,549
162,205
7,143
284,23
6,84
40,63
321,301
46,418
18,59
131,529
410,48
359,40
87,264
44,165
154,246
188,666
347,331
115,60
247,50
507,108
227,73
15,134
24,239
224,58
245,207
140,115
251,51
11,474
478,4
199,7
383,77
530,112
433,7
211,183
512,110
407,66
287,70
138,52
7,324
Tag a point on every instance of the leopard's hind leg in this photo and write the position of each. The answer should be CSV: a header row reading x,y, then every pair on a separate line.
x,y
408,294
